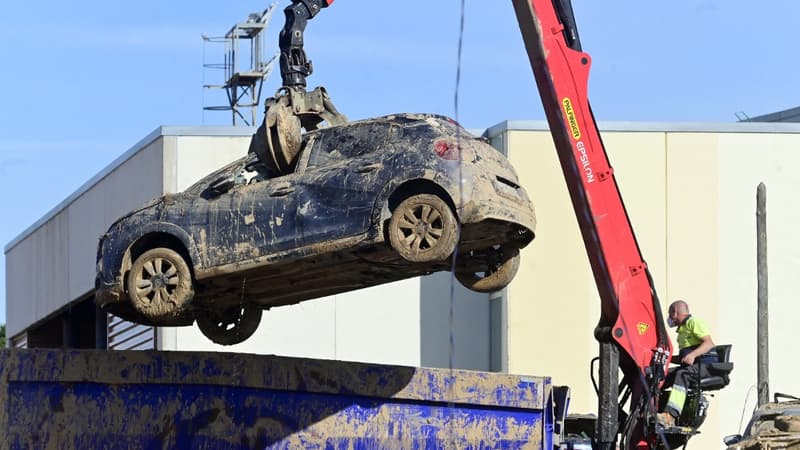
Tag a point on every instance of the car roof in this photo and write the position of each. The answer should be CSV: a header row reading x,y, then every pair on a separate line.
x,y
401,119
406,118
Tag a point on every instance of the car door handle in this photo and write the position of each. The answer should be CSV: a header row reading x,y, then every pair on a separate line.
x,y
281,191
368,168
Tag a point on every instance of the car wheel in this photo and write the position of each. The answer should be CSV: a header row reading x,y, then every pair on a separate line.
x,y
502,263
230,326
160,284
423,229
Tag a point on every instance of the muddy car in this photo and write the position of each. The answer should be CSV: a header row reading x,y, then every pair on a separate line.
x,y
364,203
774,425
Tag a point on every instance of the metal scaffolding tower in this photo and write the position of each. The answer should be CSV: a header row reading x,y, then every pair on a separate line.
x,y
243,87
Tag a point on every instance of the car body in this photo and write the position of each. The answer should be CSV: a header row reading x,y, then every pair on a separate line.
x,y
251,237
774,425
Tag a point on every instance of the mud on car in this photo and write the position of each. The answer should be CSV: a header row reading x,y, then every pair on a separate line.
x,y
774,425
360,204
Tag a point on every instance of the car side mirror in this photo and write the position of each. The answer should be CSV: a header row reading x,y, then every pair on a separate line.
x,y
732,439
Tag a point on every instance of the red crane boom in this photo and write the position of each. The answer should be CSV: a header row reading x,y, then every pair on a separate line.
x,y
631,318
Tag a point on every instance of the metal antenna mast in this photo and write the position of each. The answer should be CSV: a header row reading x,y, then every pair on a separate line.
x,y
242,87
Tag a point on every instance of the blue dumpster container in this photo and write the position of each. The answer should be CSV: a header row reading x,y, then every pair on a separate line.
x,y
143,400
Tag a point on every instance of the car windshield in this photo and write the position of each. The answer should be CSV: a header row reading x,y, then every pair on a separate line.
x,y
241,171
761,425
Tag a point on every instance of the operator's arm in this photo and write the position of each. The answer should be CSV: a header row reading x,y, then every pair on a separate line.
x,y
701,349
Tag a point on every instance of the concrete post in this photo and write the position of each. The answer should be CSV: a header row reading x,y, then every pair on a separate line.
x,y
763,316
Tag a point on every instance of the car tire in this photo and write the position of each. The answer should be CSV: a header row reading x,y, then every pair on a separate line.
x,y
231,326
502,266
160,284
423,228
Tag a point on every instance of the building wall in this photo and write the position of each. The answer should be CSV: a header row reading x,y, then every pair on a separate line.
x,y
194,157
54,264
465,316
379,324
745,161
691,199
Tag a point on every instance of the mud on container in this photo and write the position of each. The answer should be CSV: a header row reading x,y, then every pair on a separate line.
x,y
142,400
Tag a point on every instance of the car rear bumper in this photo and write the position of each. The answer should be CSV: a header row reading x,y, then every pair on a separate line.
x,y
519,212
494,195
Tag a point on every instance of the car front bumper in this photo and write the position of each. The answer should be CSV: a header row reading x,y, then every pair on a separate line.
x,y
106,293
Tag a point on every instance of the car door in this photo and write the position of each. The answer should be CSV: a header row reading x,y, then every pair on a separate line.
x,y
266,216
345,171
206,220
240,216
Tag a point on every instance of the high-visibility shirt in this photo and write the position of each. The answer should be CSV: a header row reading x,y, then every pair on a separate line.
x,y
691,332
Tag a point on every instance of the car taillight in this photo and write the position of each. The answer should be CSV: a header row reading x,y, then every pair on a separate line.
x,y
446,149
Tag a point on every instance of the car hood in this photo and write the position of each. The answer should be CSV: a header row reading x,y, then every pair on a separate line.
x,y
152,203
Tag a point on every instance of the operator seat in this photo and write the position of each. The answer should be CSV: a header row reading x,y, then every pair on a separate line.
x,y
719,371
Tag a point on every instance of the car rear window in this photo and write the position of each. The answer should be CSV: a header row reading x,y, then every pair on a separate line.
x,y
435,127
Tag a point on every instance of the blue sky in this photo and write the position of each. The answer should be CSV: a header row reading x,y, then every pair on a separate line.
x,y
84,81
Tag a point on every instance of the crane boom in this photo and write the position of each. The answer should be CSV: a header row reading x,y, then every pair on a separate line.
x,y
631,318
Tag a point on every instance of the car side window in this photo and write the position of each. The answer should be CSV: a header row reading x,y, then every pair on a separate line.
x,y
351,141
765,423
323,153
